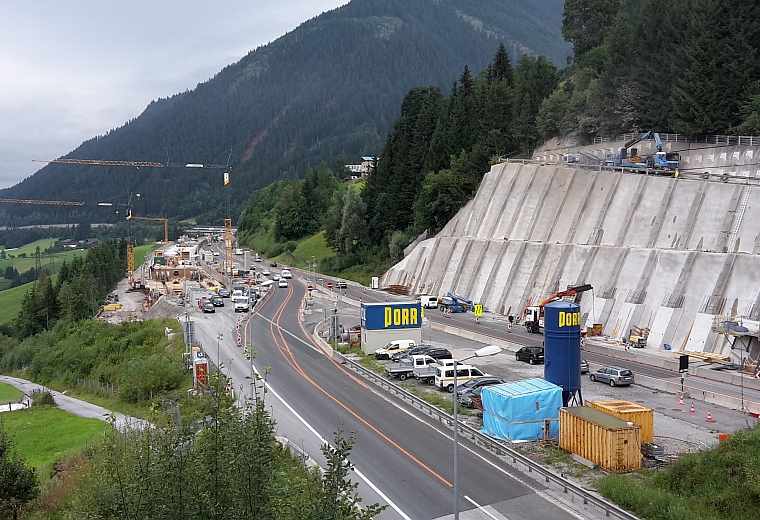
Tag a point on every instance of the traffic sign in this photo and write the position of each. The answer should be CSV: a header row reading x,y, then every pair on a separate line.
x,y
478,310
310,288
329,285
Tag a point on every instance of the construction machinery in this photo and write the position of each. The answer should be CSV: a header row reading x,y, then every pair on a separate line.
x,y
630,158
142,164
455,303
164,220
534,315
45,202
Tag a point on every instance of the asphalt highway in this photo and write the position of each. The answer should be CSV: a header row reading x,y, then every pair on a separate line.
x,y
402,459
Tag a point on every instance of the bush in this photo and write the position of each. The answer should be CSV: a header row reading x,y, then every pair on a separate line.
x,y
42,399
142,377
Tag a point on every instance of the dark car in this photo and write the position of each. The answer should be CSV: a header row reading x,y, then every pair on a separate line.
x,y
208,307
272,264
217,301
472,397
439,353
615,376
414,351
224,293
532,355
477,383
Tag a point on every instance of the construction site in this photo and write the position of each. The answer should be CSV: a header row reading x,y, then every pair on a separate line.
x,y
672,256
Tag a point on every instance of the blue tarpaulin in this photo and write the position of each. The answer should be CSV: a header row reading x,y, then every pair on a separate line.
x,y
517,411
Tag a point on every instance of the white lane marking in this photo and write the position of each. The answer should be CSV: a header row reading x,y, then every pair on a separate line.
x,y
324,441
483,510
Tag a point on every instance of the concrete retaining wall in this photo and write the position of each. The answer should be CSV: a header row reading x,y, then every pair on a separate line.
x,y
654,248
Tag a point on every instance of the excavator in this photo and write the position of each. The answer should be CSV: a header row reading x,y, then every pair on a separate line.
x,y
534,315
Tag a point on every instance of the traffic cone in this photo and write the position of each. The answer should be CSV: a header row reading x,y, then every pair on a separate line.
x,y
709,416
692,408
680,401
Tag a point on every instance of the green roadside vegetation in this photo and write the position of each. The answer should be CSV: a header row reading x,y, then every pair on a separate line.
x,y
45,435
717,484
9,394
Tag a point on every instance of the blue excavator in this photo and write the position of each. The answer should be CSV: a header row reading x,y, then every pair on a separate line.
x,y
630,158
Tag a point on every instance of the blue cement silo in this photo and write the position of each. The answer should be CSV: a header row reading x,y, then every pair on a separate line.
x,y
562,348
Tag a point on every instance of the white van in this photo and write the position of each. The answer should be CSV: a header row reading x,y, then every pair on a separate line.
x,y
429,302
397,345
241,304
286,273
444,376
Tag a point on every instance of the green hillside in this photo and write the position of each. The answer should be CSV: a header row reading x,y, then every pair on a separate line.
x,y
332,86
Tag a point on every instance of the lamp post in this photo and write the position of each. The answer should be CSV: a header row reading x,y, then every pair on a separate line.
x,y
314,267
219,338
483,352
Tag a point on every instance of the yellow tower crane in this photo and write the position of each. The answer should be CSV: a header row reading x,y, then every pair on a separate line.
x,y
138,164
164,220
46,202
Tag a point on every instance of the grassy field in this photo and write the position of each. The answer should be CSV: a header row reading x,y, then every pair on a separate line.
x,y
9,394
43,435
10,302
313,246
24,264
142,251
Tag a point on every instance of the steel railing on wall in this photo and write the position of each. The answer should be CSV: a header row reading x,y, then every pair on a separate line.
x,y
721,140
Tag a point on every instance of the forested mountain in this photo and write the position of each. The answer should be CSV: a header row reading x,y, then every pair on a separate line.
x,y
332,86
689,66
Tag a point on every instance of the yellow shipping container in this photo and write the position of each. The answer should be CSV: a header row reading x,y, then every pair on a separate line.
x,y
606,441
110,307
628,411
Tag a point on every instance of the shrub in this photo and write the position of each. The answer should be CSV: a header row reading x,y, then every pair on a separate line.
x,y
142,377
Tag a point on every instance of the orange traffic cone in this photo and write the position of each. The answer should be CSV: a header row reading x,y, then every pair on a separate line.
x,y
680,401
692,408
709,416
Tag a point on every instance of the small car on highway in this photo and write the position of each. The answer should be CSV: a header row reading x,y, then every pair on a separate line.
x,y
341,284
276,277
272,264
208,307
217,301
201,302
224,293
532,355
614,376
266,272
282,283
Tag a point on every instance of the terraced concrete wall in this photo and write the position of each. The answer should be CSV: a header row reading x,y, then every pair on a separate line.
x,y
660,252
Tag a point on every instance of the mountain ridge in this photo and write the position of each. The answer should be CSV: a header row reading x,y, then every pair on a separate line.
x,y
324,89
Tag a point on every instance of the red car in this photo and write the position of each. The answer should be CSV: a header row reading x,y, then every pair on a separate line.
x,y
201,302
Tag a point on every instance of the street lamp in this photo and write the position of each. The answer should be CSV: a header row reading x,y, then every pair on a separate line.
x,y
314,267
490,350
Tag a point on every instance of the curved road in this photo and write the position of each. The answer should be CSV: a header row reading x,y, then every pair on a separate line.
x,y
401,459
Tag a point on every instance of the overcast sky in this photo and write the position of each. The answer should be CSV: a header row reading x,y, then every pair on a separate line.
x,y
74,69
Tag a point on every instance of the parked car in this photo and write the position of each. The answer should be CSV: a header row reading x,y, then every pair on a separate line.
x,y
414,351
615,376
532,355
282,282
477,383
208,307
397,345
471,397
224,293
217,301
584,366
435,353
444,376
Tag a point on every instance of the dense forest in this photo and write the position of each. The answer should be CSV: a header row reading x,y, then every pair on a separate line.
x,y
333,86
629,72
689,67
431,165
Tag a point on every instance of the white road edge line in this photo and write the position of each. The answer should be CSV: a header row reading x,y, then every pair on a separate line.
x,y
324,441
482,509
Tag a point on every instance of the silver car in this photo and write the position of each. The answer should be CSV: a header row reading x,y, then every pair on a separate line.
x,y
615,376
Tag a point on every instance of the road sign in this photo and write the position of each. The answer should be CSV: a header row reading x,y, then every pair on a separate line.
x,y
478,310
329,285
310,288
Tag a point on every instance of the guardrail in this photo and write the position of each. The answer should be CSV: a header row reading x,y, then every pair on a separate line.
x,y
722,140
500,449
